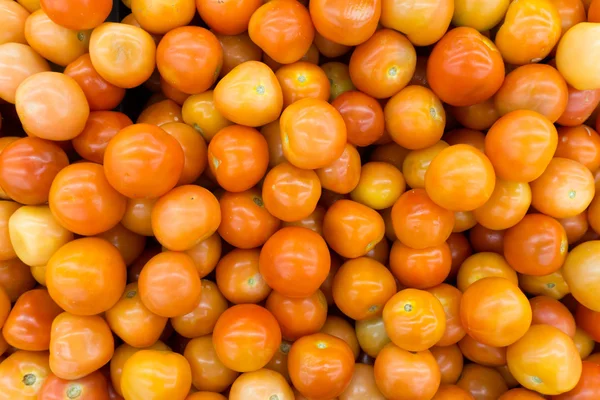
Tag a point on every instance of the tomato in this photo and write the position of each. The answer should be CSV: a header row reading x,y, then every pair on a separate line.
x,y
549,311
342,175
362,385
342,329
123,55
295,261
143,161
246,337
483,383
577,226
303,80
155,374
18,62
208,372
290,193
420,268
588,384
465,68
383,65
161,112
298,317
574,45
466,136
507,206
363,117
167,273
362,287
379,186
161,17
450,298
239,279
417,162
92,387
352,229
22,375
263,383
278,362
201,321
460,249
545,360
484,265
172,93
320,366
446,180
477,116
292,40
271,132
137,217
230,17
236,50
481,15
485,328
482,354
13,18
581,144
346,22
565,189
7,209
452,392
415,117
77,15
423,22
372,335
520,394
450,362
16,278
526,19
205,396
339,76
29,322
391,153
329,48
200,113
79,345
55,43
249,95
403,375
580,106
486,240
4,307
100,128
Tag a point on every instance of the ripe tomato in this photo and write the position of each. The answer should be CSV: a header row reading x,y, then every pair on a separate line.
x,y
246,337
201,321
13,18
420,268
137,217
549,311
423,22
172,93
402,374
450,298
271,132
486,240
86,276
100,128
22,375
552,285
278,362
298,317
537,245
263,383
486,328
91,387
51,106
249,95
189,58
123,55
484,265
363,385
352,229
588,384
371,335
346,22
160,112
577,226
379,186
383,65
588,321
565,189
200,113
205,396
4,307
535,87
194,150
329,48
446,178
465,68
452,392
7,209
574,45
580,106
295,261
143,161
342,175
79,345
18,62
460,249
229,17
450,361
478,116
77,15
320,366
292,40
239,279
155,374
100,207
167,273
339,76
162,17
304,80
361,288
584,343
466,136
482,354
479,15
208,372
507,206
579,143
341,328
545,360
236,50
29,322
417,162
523,20
483,383
363,117
415,118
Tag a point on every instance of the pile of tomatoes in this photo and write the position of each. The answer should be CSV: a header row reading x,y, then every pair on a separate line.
x,y
324,199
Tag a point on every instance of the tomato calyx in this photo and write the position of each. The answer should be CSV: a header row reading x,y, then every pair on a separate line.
x,y
74,391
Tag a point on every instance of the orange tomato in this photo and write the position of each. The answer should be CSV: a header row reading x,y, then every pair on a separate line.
x,y
229,17
18,62
13,18
452,392
507,206
482,354
420,268
342,175
239,279
580,106
345,22
579,273
301,80
161,112
362,115
236,50
100,128
200,113
484,265
481,382
339,76
379,186
256,384
162,17
450,362
481,15
574,45
579,143
208,372
363,385
7,209
137,217
417,162
552,285
478,116
22,375
450,298
414,319
298,317
77,15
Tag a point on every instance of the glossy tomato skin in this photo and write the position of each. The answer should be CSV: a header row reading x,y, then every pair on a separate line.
x,y
229,17
549,311
320,366
482,354
336,20
201,321
13,19
579,274
208,372
342,175
420,268
588,385
580,106
579,143
100,127
363,116
295,261
362,385
379,186
533,140
239,279
401,374
77,15
483,382
416,163
545,360
236,50
574,44
154,374
92,387
7,209
298,317
302,79
246,337
483,327
475,78
484,265
508,204
450,362
28,325
27,168
79,345
100,207
263,382
22,375
143,161
18,61
450,298
160,112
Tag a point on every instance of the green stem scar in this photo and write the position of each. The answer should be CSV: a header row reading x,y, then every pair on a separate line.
x,y
29,379
74,391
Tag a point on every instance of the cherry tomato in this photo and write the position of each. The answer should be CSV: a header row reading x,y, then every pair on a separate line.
x,y
239,279
580,106
236,50
450,298
346,22
298,317
159,17
452,392
7,209
549,311
342,175
303,80
581,144
208,372
194,150
201,321
138,216
479,15
341,328
339,76
372,335
271,132
478,116
420,268
507,206
363,117
22,375
484,265
588,384
379,186
417,162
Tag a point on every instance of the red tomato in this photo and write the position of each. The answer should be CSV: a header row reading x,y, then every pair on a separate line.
x,y
588,384
420,268
363,117
100,128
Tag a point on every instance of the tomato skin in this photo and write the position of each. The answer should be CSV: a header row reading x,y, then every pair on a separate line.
x,y
363,117
298,317
450,298
22,375
580,106
478,116
13,17
545,360
194,151
18,61
484,265
339,76
403,375
154,374
77,15
90,387
201,321
29,323
100,127
239,279
229,17
346,22
160,112
363,385
342,175
588,321
450,362
236,50
420,268
479,14
259,384
574,46
416,163
7,209
495,292
460,249
580,275
588,385
246,337
579,143
208,372
484,382
474,79
320,366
